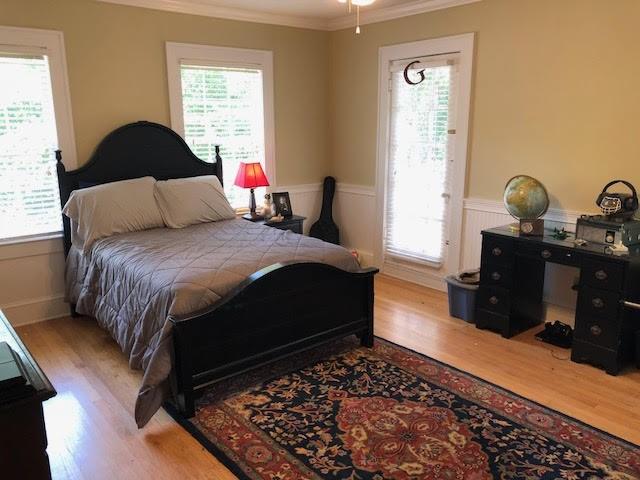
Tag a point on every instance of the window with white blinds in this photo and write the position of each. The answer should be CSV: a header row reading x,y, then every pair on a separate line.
x,y
421,132
29,198
224,106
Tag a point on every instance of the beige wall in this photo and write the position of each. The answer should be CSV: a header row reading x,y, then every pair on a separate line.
x,y
117,71
556,94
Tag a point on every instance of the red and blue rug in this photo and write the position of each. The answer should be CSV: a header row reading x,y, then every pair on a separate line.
x,y
390,413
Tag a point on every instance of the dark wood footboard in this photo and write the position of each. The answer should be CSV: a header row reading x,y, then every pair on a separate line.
x,y
280,310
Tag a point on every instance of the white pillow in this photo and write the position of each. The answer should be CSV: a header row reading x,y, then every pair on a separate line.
x,y
187,201
117,207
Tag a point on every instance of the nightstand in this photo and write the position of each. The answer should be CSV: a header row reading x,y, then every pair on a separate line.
x,y
293,223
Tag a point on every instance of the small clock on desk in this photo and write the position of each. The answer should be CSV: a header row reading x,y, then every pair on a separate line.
x,y
293,223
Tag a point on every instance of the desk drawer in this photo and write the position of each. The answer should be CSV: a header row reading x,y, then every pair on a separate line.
x,y
600,304
496,250
600,332
550,254
496,275
496,300
607,275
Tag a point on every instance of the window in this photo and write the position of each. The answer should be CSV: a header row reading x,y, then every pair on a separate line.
x,y
421,149
224,96
422,156
34,122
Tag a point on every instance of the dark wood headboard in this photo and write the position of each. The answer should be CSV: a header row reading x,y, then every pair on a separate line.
x,y
134,150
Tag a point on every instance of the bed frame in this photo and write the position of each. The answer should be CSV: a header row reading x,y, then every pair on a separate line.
x,y
280,310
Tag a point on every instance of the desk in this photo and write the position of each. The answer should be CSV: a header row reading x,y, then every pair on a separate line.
x,y
511,286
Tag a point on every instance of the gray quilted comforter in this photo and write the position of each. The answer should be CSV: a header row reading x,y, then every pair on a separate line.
x,y
132,283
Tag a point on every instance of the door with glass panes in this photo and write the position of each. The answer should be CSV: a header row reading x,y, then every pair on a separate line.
x,y
420,154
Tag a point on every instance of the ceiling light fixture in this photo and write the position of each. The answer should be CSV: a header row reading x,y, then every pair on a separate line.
x,y
357,4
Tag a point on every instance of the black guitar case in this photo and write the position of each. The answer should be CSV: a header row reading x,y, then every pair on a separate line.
x,y
325,228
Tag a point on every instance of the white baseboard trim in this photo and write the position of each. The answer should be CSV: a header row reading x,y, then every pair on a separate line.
x,y
432,280
35,310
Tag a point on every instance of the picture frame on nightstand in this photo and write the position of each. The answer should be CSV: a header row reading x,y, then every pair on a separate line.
x,y
282,201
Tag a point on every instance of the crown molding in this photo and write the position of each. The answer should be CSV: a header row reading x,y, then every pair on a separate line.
x,y
198,7
195,7
396,11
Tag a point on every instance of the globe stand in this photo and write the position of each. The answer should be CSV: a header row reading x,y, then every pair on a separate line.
x,y
532,228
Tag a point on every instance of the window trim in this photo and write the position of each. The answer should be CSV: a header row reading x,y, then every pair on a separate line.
x,y
463,45
51,44
225,57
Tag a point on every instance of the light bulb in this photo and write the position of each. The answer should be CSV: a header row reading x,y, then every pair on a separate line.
x,y
362,3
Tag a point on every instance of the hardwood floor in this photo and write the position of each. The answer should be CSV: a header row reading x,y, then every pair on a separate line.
x,y
92,433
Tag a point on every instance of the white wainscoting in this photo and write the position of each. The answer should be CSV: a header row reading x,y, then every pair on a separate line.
x,y
481,214
31,273
355,213
31,281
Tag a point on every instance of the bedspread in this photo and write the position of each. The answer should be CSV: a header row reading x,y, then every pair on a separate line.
x,y
132,283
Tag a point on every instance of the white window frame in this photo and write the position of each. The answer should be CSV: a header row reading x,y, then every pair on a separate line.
x,y
225,57
463,46
51,44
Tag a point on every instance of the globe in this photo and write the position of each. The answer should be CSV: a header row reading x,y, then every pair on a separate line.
x,y
525,198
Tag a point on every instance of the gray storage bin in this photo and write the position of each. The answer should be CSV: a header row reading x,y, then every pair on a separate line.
x,y
462,294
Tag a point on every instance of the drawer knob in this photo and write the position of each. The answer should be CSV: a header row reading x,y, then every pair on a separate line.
x,y
596,330
597,302
497,252
496,276
494,300
601,275
546,254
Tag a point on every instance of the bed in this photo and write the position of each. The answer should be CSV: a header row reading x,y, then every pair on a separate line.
x,y
272,293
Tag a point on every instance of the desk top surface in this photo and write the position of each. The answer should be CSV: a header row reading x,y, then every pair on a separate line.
x,y
547,239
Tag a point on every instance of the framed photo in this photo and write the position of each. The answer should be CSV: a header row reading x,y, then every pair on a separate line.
x,y
282,203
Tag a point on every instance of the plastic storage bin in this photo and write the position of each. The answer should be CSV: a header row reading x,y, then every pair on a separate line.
x,y
462,294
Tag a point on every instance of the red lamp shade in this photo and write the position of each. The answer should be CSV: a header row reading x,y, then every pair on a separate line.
x,y
251,175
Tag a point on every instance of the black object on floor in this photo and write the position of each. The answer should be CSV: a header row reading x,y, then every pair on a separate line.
x,y
556,333
325,228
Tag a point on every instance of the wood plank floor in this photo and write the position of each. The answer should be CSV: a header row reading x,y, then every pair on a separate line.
x,y
92,434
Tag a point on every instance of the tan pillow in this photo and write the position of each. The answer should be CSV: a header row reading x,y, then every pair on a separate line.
x,y
117,207
187,201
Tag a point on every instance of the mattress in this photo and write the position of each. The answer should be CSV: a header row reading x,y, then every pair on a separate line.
x,y
132,283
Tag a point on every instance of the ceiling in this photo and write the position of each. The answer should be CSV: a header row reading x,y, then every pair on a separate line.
x,y
315,14
325,9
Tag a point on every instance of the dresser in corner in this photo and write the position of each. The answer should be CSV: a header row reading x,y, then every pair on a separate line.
x,y
23,389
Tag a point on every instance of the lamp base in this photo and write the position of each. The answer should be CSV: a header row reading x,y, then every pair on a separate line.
x,y
253,217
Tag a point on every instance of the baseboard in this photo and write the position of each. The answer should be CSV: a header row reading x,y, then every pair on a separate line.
x,y
433,280
35,310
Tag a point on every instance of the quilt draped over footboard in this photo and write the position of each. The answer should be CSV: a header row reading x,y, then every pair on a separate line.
x,y
132,283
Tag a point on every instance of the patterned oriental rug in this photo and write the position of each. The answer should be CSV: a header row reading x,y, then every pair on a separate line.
x,y
390,413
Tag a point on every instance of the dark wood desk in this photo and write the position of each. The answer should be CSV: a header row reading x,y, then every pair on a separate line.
x,y
511,287
23,439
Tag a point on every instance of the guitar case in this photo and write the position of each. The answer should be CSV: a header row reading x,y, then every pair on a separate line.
x,y
325,228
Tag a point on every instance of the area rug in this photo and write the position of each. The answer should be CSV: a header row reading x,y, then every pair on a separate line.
x,y
390,413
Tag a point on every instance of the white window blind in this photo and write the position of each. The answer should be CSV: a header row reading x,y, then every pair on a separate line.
x,y
422,125
29,197
224,106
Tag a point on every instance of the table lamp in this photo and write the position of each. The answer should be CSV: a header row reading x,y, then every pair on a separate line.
x,y
251,175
